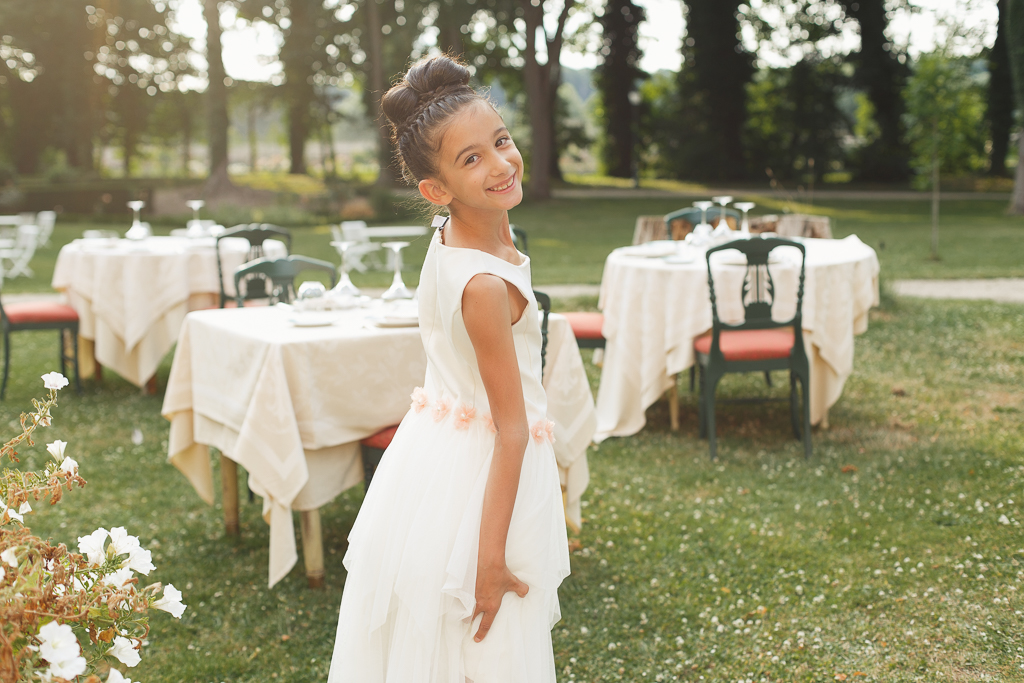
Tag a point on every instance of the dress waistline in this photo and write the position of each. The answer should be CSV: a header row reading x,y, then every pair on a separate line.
x,y
462,415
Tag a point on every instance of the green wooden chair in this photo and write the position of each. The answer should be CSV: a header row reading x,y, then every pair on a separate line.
x,y
758,344
280,274
41,315
255,234
691,216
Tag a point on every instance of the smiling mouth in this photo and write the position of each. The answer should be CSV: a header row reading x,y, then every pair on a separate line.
x,y
504,186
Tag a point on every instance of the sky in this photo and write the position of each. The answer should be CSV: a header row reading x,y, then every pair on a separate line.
x,y
250,51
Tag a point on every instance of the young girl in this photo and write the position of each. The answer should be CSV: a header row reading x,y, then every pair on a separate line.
x,y
455,559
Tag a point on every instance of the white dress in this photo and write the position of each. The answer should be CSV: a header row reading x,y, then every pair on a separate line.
x,y
409,595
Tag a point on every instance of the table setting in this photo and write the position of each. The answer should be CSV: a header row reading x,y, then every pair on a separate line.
x,y
288,392
655,301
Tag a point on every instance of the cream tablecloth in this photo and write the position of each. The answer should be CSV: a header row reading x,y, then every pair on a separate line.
x,y
131,296
654,309
291,404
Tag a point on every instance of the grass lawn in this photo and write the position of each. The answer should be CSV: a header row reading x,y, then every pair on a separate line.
x,y
894,554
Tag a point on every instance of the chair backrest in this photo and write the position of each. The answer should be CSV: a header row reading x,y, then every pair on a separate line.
x,y
804,225
649,229
45,221
280,273
28,237
545,305
255,234
352,231
758,292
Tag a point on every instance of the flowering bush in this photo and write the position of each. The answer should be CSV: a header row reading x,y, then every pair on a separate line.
x,y
66,615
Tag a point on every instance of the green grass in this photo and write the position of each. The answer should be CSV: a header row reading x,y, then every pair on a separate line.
x,y
570,238
689,570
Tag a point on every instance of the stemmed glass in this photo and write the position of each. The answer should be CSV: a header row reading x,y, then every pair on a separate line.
x,y
397,290
138,230
744,207
724,201
703,206
195,226
344,287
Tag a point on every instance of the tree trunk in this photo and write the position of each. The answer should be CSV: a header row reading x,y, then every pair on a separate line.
x,y
216,97
297,57
1015,49
615,80
250,125
387,176
1000,97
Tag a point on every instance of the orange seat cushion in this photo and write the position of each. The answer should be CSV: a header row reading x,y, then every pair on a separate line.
x,y
586,325
750,344
40,312
382,439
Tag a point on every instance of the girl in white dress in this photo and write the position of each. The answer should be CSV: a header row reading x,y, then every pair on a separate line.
x,y
455,558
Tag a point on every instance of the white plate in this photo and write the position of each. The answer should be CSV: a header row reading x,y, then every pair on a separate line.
x,y
680,259
392,321
313,319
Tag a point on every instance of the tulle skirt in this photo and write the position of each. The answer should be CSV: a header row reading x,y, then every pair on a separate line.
x,y
411,562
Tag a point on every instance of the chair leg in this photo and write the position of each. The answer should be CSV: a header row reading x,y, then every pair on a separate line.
x,y
805,384
63,356
768,378
702,418
673,404
693,376
709,389
371,459
794,407
7,363
74,360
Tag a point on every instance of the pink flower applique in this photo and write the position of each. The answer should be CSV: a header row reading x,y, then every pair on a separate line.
x,y
543,430
441,408
489,424
420,400
463,416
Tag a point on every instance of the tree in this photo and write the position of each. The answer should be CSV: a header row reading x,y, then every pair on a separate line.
x,y
1015,49
616,79
881,71
1000,97
217,121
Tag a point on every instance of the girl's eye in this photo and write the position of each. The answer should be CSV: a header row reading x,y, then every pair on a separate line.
x,y
471,158
502,140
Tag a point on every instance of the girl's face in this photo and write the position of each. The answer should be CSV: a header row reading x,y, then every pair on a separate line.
x,y
478,164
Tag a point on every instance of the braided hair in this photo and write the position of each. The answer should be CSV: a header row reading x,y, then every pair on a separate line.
x,y
419,105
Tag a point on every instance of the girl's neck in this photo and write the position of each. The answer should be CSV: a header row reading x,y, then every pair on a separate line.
x,y
485,230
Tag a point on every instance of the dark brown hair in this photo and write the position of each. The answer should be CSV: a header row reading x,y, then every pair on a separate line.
x,y
419,106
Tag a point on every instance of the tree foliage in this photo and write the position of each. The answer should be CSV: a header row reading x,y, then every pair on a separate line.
x,y
616,78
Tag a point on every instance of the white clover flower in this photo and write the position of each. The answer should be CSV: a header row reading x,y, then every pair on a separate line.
x,y
116,677
124,650
56,449
69,465
59,646
171,602
119,577
54,380
9,557
93,546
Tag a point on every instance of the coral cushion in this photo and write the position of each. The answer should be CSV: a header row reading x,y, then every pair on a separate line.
x,y
40,312
750,344
586,325
382,439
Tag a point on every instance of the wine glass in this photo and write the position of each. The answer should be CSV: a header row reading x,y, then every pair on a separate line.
x,y
745,207
195,205
344,288
724,201
139,230
703,206
397,290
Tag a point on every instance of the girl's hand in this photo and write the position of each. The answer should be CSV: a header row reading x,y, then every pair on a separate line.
x,y
491,586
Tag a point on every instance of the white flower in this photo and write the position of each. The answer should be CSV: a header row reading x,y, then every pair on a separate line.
x,y
124,650
69,669
54,380
25,508
171,602
56,449
10,512
116,677
9,557
59,646
69,465
141,560
92,546
118,578
121,542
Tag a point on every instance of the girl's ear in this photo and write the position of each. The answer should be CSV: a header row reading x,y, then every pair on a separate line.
x,y
434,192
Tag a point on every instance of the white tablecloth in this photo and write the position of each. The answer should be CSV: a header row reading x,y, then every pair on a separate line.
x,y
654,310
131,296
291,404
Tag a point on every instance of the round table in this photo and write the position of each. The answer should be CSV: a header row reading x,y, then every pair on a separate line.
x,y
132,295
655,306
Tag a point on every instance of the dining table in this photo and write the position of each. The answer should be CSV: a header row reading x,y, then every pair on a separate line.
x,y
132,296
656,302
290,403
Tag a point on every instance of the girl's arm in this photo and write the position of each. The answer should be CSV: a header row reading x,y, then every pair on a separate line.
x,y
488,308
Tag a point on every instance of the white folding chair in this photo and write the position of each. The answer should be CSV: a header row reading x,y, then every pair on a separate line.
x,y
45,221
356,231
15,259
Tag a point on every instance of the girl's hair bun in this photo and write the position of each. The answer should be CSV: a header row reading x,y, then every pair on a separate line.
x,y
418,105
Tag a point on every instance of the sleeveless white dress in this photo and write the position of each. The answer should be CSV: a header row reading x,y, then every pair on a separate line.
x,y
412,556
